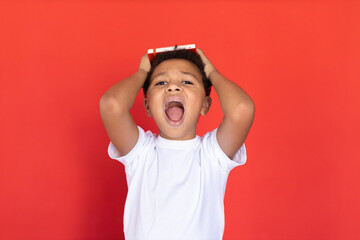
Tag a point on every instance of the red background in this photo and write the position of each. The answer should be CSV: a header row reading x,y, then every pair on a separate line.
x,y
299,61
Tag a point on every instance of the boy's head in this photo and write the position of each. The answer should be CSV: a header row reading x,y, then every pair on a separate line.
x,y
179,54
177,93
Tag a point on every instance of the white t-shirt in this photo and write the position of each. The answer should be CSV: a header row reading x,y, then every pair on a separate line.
x,y
176,188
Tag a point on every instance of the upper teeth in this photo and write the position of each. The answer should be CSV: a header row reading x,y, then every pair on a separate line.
x,y
172,101
168,102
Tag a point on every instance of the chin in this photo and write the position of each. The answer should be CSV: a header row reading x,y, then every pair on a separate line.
x,y
177,133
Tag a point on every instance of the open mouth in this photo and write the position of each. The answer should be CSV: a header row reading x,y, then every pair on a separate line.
x,y
174,110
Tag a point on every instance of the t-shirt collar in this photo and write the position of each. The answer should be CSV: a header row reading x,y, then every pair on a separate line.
x,y
177,143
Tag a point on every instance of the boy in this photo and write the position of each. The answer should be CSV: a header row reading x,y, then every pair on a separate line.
x,y
176,181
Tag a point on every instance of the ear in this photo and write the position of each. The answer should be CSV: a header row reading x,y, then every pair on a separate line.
x,y
206,105
146,104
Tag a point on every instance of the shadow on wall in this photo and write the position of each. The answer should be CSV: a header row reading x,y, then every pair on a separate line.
x,y
103,182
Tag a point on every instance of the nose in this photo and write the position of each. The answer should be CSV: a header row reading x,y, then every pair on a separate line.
x,y
173,88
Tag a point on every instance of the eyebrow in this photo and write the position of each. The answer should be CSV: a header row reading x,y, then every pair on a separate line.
x,y
165,73
159,74
189,73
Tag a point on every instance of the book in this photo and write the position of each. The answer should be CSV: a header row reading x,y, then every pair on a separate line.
x,y
153,51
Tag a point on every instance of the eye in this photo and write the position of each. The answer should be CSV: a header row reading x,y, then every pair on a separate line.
x,y
186,82
160,83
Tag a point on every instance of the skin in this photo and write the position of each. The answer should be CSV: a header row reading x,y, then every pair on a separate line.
x,y
237,106
177,79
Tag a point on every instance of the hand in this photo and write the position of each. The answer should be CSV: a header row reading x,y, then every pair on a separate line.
x,y
209,67
145,63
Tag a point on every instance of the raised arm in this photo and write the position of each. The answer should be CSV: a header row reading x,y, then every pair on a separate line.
x,y
115,107
237,107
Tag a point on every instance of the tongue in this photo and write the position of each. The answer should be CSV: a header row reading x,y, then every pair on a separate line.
x,y
175,113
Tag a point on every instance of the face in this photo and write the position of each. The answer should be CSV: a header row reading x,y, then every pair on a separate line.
x,y
176,98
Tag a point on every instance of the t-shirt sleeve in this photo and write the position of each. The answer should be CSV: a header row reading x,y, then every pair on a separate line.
x,y
225,162
128,158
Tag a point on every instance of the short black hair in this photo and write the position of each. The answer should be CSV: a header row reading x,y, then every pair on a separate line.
x,y
178,54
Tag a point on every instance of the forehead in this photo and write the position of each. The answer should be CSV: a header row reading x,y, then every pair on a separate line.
x,y
177,66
